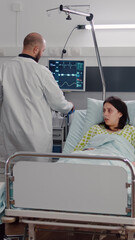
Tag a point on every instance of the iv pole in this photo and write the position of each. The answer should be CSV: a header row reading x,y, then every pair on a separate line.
x,y
89,18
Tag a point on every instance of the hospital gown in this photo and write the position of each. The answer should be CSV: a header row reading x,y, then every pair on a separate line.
x,y
128,132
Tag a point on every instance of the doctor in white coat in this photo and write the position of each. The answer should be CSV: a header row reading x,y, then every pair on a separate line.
x,y
28,93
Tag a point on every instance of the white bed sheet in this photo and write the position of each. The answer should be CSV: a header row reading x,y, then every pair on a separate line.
x,y
75,133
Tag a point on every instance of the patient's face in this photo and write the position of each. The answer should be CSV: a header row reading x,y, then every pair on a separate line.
x,y
111,115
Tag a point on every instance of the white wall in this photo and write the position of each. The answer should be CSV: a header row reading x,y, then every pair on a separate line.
x,y
55,28
117,47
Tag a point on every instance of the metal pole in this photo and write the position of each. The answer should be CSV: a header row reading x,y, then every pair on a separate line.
x,y
98,60
67,10
89,17
133,198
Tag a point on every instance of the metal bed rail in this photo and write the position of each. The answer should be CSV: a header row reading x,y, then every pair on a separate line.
x,y
13,158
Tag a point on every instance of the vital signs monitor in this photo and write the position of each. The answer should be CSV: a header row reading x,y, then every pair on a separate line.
x,y
69,74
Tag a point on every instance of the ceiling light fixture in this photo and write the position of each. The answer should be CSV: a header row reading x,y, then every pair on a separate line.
x,y
111,26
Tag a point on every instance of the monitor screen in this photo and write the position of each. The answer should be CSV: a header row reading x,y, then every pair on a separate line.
x,y
69,74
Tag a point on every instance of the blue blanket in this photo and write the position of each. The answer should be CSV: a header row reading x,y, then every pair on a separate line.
x,y
112,144
106,144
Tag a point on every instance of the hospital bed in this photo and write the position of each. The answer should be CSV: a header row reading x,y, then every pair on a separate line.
x,y
96,198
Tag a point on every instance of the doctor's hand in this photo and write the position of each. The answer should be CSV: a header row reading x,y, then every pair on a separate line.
x,y
72,110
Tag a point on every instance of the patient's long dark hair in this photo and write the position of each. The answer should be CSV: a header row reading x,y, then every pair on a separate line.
x,y
121,107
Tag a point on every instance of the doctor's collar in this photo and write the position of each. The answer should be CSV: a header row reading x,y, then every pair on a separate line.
x,y
27,56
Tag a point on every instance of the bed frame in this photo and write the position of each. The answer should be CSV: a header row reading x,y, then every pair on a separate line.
x,y
81,196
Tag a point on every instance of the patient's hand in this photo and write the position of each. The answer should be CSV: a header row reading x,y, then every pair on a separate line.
x,y
133,163
88,149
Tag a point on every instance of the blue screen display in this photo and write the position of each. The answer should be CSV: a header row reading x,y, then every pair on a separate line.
x,y
69,74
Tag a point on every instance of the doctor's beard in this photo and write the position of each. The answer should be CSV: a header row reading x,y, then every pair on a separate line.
x,y
37,57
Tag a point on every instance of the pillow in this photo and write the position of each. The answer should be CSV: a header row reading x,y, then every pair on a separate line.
x,y
75,133
131,111
94,113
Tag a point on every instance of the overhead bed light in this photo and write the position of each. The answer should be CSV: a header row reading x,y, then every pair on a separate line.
x,y
111,26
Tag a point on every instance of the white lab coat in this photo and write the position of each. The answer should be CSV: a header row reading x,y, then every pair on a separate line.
x,y
29,94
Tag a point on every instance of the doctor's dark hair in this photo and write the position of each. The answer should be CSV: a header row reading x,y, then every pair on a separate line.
x,y
121,107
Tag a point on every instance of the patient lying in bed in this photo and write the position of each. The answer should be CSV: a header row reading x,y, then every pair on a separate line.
x,y
113,137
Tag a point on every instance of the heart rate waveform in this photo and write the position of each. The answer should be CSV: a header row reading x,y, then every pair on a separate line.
x,y
67,84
